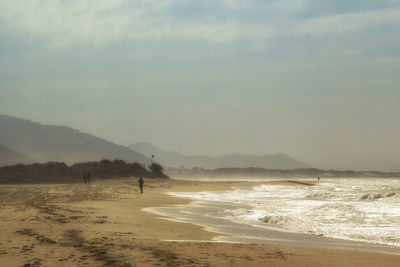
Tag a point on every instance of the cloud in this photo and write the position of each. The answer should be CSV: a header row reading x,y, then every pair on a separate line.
x,y
347,22
221,29
310,67
318,8
65,23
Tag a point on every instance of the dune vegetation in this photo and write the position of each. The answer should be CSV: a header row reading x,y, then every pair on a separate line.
x,y
59,172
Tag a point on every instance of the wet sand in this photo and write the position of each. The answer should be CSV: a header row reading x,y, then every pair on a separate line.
x,y
103,224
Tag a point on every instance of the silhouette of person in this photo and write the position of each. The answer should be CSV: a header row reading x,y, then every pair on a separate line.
x,y
318,178
86,177
141,183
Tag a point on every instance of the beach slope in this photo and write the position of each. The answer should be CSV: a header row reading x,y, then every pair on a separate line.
x,y
103,224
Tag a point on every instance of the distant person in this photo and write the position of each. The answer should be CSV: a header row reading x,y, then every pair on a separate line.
x,y
86,177
318,178
141,183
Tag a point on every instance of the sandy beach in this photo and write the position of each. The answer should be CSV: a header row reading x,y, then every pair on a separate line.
x,y
103,224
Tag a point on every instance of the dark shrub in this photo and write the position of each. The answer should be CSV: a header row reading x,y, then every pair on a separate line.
x,y
59,172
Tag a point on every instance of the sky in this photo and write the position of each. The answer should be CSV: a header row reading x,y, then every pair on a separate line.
x,y
317,80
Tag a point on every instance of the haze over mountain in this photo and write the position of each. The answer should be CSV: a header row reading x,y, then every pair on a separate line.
x,y
11,157
318,80
176,159
60,143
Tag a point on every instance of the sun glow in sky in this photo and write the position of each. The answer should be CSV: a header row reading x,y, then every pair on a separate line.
x,y
317,80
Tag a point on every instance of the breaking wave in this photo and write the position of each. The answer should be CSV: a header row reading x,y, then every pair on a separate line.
x,y
276,220
373,196
355,209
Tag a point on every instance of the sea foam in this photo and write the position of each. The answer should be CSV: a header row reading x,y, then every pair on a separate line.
x,y
354,209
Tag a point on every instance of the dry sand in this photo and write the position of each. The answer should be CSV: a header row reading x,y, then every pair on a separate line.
x,y
103,224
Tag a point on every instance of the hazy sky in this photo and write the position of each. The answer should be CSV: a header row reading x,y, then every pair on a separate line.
x,y
318,80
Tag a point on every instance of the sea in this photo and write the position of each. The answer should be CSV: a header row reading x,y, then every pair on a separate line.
x,y
366,211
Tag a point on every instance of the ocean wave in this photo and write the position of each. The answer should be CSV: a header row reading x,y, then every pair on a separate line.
x,y
374,196
276,220
354,209
322,195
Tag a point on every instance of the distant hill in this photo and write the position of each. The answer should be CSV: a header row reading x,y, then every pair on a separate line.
x,y
176,159
60,143
11,157
245,173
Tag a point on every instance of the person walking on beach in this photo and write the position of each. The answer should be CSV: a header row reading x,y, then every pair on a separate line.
x,y
86,177
141,182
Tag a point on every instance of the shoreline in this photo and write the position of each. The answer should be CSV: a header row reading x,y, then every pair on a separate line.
x,y
104,224
239,233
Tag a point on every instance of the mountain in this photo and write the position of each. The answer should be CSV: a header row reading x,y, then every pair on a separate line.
x,y
264,173
60,143
176,159
11,157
